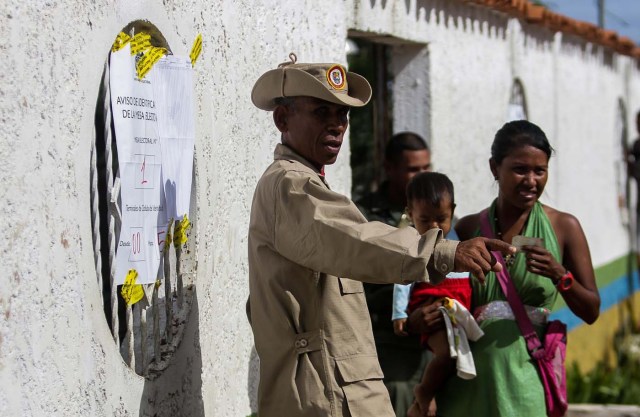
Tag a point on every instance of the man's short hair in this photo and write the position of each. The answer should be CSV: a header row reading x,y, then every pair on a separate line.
x,y
285,101
403,141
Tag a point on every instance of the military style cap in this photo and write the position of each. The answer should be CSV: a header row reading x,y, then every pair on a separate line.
x,y
329,82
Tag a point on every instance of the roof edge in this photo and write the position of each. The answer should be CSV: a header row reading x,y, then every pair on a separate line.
x,y
540,15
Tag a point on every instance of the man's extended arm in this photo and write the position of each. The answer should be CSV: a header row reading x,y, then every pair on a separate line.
x,y
324,231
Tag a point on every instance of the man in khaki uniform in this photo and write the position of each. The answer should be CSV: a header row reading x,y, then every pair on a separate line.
x,y
310,249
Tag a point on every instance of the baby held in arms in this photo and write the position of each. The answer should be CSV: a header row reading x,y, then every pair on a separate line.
x,y
430,204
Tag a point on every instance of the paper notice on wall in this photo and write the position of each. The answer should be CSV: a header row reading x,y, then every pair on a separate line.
x,y
144,114
173,90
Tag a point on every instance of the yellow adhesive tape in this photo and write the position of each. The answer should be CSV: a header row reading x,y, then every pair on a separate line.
x,y
148,60
131,292
168,239
167,242
196,49
120,42
180,232
140,42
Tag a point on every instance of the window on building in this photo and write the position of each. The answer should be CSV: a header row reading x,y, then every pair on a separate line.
x,y
398,73
517,108
621,153
370,125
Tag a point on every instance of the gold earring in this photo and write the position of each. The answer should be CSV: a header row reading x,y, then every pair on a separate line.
x,y
405,219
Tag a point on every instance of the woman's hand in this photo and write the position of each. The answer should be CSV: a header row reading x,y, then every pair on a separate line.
x,y
582,298
541,262
425,319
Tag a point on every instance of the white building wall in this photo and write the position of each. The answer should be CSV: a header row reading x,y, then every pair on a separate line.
x,y
57,357
572,90
470,83
586,145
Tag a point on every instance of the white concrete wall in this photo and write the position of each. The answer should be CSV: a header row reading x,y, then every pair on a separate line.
x,y
585,142
572,91
57,357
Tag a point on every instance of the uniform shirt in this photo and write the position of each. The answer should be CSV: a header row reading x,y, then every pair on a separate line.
x,y
377,207
401,292
309,248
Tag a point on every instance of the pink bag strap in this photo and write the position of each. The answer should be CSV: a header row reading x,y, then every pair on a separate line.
x,y
524,322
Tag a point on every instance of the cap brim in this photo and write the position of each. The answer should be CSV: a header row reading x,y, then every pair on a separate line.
x,y
272,85
267,89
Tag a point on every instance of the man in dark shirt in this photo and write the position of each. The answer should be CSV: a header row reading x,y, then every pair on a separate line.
x,y
633,160
401,358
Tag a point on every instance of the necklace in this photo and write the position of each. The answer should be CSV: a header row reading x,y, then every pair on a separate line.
x,y
508,259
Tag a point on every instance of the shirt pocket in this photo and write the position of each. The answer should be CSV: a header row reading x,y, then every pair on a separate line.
x,y
361,383
350,286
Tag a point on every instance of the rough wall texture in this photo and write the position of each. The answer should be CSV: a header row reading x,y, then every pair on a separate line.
x,y
56,354
57,357
572,90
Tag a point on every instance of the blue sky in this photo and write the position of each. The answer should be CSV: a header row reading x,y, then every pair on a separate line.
x,y
623,16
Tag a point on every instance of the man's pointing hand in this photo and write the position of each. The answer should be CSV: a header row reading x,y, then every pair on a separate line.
x,y
474,255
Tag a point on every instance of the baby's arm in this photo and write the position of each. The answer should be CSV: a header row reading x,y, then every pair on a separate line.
x,y
399,311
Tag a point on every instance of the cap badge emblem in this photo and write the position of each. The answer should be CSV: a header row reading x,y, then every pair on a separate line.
x,y
336,77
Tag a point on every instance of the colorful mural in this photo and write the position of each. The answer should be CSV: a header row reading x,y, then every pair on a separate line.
x,y
619,285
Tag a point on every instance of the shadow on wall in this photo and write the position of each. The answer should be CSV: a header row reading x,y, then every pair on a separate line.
x,y
177,392
253,379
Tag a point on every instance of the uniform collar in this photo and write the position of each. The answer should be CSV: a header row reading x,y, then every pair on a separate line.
x,y
283,152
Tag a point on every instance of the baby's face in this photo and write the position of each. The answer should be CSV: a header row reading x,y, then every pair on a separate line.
x,y
425,216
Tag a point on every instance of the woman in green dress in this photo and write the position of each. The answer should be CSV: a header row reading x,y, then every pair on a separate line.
x,y
507,382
